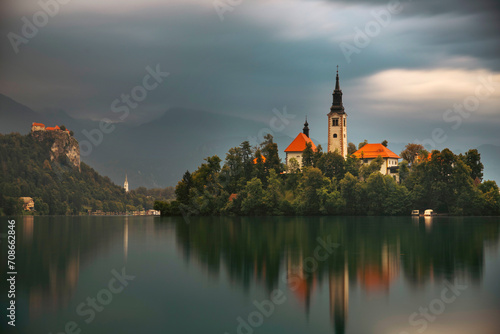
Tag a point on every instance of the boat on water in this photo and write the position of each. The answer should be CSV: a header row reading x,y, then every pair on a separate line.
x,y
429,212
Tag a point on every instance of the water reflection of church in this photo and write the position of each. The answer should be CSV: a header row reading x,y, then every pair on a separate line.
x,y
373,274
369,264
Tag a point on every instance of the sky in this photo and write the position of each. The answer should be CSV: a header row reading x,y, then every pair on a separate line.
x,y
411,71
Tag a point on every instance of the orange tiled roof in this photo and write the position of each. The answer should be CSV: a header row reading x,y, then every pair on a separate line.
x,y
374,150
38,124
299,143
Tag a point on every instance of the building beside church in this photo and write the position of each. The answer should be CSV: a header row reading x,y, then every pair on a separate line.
x,y
298,145
370,152
125,184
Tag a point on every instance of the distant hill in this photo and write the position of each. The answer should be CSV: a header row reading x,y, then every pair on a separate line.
x,y
45,166
16,117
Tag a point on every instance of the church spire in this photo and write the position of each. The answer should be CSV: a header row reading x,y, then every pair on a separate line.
x,y
306,128
337,105
337,85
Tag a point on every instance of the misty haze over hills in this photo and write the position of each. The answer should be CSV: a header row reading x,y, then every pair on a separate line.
x,y
157,153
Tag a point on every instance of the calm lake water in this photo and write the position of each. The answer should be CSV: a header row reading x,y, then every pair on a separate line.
x,y
256,275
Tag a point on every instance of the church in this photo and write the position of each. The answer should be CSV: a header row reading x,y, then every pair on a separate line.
x,y
337,139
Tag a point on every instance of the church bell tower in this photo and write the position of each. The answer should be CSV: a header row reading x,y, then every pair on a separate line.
x,y
125,184
337,123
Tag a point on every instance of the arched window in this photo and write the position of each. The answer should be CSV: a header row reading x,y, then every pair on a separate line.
x,y
334,135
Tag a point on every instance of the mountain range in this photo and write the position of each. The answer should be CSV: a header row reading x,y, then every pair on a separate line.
x,y
157,153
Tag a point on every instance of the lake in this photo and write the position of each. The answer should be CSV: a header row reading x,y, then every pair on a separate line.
x,y
390,275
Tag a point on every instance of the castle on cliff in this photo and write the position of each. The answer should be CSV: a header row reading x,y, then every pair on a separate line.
x,y
41,127
62,142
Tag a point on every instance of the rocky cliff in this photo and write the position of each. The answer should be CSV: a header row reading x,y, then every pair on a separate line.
x,y
62,144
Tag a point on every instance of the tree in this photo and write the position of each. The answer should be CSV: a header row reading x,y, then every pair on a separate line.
x,y
308,199
351,148
246,157
13,206
411,151
259,169
233,170
270,151
376,193
472,158
332,164
367,169
253,203
273,193
63,127
490,198
41,208
317,155
363,143
404,171
206,175
330,199
293,166
307,156
385,143
352,165
352,191
183,188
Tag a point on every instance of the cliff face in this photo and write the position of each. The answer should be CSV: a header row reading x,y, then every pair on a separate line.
x,y
62,145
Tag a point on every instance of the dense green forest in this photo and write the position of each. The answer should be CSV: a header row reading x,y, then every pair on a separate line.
x,y
328,184
57,187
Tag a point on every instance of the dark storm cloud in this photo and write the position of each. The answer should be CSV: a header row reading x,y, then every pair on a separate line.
x,y
245,66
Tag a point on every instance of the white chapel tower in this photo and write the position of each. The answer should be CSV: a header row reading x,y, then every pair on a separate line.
x,y
125,185
337,123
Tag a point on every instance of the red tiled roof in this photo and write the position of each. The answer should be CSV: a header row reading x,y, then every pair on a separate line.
x,y
374,150
38,124
299,143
